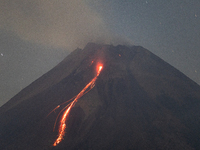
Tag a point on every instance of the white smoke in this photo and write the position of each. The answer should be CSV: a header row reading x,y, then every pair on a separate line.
x,y
61,23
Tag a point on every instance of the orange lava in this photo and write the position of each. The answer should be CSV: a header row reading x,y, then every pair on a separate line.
x,y
53,110
62,126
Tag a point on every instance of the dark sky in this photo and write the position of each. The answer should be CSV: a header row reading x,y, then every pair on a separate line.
x,y
36,35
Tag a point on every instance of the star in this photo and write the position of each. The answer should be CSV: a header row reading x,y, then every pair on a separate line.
x,y
2,54
146,2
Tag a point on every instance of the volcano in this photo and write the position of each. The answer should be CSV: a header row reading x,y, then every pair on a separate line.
x,y
138,101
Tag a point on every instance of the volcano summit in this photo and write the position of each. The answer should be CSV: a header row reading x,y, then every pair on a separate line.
x,y
137,101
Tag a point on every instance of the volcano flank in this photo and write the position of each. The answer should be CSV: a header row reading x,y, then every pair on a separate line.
x,y
138,101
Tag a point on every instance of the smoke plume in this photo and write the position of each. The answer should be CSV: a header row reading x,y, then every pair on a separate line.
x,y
62,23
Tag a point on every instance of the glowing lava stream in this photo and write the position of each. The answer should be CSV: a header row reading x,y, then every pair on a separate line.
x,y
62,126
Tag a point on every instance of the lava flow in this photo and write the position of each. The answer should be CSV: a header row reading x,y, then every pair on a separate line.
x,y
62,126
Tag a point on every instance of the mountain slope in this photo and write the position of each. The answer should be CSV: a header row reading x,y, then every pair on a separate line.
x,y
139,102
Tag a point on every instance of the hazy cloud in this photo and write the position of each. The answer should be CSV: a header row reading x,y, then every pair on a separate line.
x,y
61,23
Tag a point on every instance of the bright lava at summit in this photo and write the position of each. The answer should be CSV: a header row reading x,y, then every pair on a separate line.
x,y
62,126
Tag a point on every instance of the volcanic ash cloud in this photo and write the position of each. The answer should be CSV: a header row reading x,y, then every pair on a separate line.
x,y
64,23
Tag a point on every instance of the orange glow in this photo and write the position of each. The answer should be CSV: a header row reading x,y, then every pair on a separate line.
x,y
62,126
91,63
53,110
119,55
99,68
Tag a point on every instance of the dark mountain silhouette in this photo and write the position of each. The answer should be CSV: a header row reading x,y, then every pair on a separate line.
x,y
139,102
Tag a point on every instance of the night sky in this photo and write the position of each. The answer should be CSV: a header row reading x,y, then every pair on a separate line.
x,y
37,35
